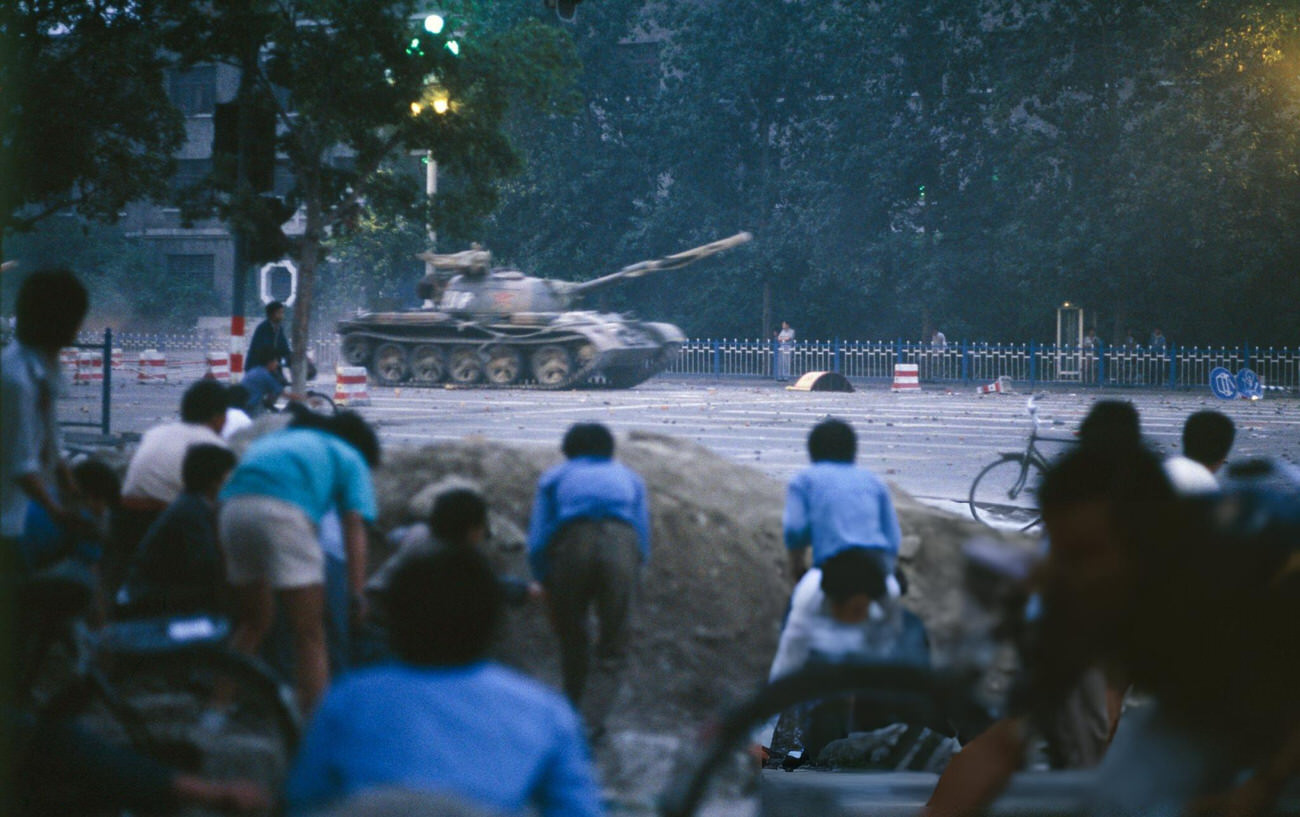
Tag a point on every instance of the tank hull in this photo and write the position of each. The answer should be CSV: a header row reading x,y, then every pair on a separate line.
x,y
527,350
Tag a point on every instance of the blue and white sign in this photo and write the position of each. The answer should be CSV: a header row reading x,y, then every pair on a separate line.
x,y
1248,385
1222,383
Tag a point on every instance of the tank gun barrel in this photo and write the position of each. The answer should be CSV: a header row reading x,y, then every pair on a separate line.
x,y
667,262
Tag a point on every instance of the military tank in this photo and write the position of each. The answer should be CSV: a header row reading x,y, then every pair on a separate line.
x,y
486,326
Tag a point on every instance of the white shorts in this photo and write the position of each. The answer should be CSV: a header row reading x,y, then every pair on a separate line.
x,y
268,539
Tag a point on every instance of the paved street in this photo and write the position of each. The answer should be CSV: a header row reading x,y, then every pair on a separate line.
x,y
932,444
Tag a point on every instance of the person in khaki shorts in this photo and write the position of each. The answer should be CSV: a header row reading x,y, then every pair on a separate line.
x,y
271,510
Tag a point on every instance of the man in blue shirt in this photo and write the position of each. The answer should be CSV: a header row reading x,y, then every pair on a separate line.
x,y
587,537
834,505
443,719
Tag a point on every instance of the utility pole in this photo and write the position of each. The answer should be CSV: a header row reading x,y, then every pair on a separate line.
x,y
239,275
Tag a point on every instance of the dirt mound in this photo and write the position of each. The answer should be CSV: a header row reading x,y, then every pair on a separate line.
x,y
708,617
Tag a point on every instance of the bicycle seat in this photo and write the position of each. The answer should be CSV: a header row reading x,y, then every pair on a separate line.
x,y
61,592
150,636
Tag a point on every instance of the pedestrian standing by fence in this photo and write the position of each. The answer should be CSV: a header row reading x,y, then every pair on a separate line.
x,y
784,351
588,536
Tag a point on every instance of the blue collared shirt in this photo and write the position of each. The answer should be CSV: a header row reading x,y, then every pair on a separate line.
x,y
482,732
586,488
832,506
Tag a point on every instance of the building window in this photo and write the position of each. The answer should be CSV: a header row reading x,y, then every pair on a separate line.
x,y
192,269
190,172
193,91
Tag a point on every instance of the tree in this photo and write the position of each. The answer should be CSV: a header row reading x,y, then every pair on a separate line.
x,y
356,85
86,122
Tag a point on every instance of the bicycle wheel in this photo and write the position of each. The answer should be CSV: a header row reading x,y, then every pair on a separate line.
x,y
321,403
208,711
1004,494
941,699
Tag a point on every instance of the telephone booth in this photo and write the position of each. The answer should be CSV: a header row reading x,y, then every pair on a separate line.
x,y
1069,342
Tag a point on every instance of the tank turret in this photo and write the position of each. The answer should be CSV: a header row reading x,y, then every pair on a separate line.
x,y
501,327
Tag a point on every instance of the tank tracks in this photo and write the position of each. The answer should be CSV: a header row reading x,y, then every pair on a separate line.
x,y
502,363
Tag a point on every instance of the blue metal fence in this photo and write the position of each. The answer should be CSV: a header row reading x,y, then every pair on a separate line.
x,y
967,362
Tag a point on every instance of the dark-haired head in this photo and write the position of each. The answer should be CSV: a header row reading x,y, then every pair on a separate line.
x,y
459,517
204,402
1111,424
356,432
98,480
1207,438
51,305
237,397
832,441
274,309
443,607
587,440
205,467
853,572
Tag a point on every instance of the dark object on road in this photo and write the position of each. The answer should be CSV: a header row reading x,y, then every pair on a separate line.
x,y
822,381
500,327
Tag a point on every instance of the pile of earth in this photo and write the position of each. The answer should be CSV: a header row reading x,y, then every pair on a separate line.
x,y
713,595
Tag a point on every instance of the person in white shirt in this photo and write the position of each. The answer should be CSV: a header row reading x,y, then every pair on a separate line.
x,y
153,478
1207,439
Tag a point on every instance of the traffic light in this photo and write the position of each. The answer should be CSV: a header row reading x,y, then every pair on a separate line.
x,y
265,241
259,159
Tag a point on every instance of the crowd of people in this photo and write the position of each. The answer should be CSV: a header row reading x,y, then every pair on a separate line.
x,y
1163,578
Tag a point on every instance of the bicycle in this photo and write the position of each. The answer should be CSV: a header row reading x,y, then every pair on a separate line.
x,y
1002,495
943,700
167,688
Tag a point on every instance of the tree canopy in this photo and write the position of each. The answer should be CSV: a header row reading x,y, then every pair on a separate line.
x,y
906,166
85,123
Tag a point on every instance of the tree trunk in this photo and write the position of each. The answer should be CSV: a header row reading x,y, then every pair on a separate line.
x,y
767,308
308,257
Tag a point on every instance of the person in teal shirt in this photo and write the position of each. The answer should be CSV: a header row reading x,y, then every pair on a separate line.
x,y
269,527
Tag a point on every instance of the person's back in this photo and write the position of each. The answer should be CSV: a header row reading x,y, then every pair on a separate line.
x,y
444,719
833,505
178,566
155,471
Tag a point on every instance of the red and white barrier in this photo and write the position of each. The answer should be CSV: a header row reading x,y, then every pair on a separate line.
x,y
90,368
68,360
218,367
907,377
118,361
153,367
1000,386
350,387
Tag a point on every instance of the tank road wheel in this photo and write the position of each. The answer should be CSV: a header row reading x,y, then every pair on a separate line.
x,y
504,365
356,350
391,366
465,367
552,365
586,355
428,364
